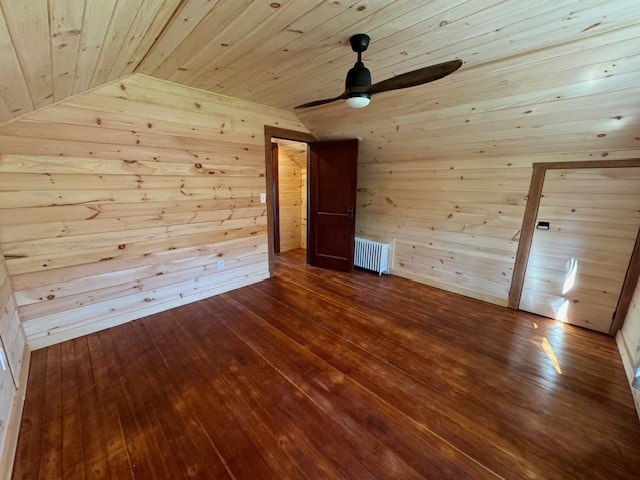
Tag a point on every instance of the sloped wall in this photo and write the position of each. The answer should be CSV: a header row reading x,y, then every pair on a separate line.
x,y
629,342
631,328
123,201
13,371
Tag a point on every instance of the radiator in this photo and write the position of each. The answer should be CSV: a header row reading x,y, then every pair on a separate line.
x,y
371,255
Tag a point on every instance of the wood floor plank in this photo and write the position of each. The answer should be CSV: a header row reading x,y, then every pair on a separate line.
x,y
104,401
137,402
93,439
288,413
169,410
51,432
319,374
449,353
493,416
29,439
349,403
73,454
495,343
407,393
237,439
193,449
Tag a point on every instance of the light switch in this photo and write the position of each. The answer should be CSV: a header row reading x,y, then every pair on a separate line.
x,y
263,198
542,226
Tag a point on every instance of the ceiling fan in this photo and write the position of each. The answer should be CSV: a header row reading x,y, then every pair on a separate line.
x,y
358,88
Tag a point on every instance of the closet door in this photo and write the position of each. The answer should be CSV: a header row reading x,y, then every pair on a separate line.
x,y
585,232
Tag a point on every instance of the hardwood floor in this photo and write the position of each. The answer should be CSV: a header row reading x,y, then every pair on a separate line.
x,y
318,374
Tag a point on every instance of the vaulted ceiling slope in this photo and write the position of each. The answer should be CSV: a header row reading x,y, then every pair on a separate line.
x,y
516,53
539,78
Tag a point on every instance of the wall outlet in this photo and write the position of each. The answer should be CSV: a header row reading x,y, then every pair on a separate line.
x,y
220,264
263,198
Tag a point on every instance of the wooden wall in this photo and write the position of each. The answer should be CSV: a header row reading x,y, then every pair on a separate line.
x,y
289,188
14,368
577,267
122,201
447,178
293,193
455,223
629,342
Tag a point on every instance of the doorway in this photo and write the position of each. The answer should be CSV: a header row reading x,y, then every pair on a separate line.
x,y
289,159
274,137
578,257
328,201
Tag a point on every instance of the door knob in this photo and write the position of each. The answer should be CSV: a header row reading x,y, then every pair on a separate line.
x,y
350,212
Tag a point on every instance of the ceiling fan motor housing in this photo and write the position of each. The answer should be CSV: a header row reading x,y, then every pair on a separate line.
x,y
358,76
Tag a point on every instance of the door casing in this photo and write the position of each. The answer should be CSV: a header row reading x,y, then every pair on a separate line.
x,y
528,226
275,204
269,133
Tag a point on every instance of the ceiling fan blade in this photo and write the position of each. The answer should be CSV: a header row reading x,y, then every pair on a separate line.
x,y
416,77
321,102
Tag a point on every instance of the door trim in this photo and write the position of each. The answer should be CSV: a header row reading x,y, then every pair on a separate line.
x,y
275,195
528,224
277,132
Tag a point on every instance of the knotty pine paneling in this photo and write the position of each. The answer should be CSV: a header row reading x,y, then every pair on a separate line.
x,y
631,329
455,223
289,193
628,339
11,331
13,375
577,267
267,52
122,201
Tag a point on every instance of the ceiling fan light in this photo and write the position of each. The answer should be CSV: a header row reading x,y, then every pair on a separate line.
x,y
358,101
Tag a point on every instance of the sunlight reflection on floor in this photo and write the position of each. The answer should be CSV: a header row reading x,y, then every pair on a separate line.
x,y
557,337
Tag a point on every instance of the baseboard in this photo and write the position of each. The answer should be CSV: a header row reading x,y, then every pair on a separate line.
x,y
627,361
7,456
92,325
485,297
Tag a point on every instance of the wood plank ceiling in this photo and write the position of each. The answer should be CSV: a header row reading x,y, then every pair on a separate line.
x,y
297,151
516,53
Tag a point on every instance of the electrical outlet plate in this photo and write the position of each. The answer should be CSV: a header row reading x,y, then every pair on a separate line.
x,y
220,264
263,198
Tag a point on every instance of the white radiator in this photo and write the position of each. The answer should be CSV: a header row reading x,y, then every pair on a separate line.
x,y
371,255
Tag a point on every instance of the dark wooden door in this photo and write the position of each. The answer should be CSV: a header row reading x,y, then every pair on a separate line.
x,y
333,168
